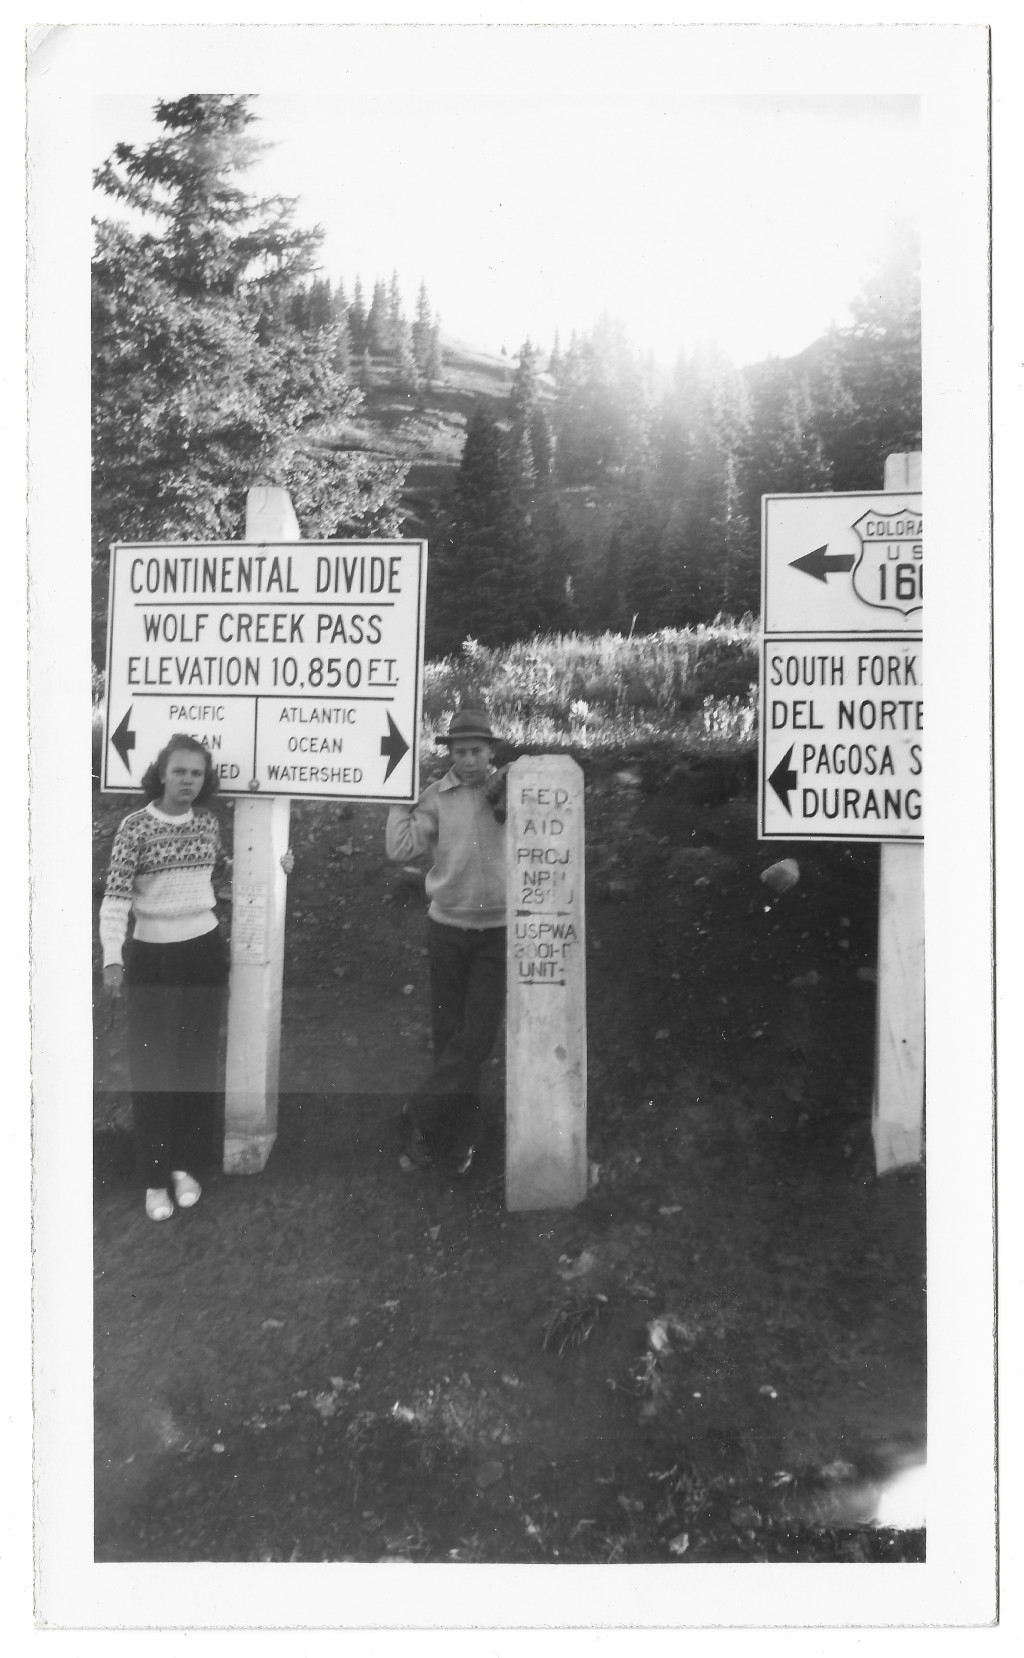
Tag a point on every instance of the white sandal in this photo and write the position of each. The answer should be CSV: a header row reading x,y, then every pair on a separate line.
x,y
158,1203
186,1190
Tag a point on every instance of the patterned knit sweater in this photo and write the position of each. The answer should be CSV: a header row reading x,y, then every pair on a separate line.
x,y
162,869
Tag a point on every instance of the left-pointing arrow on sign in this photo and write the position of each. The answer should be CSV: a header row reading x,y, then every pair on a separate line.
x,y
394,746
123,739
821,563
783,779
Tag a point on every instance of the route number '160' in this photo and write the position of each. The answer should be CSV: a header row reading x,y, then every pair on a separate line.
x,y
902,582
889,571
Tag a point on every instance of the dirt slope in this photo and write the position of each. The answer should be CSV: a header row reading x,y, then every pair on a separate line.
x,y
718,1356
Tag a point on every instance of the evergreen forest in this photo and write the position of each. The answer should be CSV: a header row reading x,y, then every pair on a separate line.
x,y
571,487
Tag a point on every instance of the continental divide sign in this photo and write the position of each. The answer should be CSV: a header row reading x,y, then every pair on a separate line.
x,y
842,668
298,664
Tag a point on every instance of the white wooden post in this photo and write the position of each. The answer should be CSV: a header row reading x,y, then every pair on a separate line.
x,y
897,1115
546,1058
257,928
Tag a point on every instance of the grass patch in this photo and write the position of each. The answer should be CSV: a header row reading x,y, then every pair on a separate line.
x,y
693,688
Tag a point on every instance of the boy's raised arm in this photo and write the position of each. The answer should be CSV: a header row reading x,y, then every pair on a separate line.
x,y
410,831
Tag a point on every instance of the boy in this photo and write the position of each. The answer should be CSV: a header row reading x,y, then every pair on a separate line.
x,y
460,821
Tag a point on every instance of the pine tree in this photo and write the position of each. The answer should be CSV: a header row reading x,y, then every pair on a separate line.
x,y
599,411
709,549
421,330
201,385
636,379
479,581
645,578
320,313
522,406
215,236
541,446
406,374
522,398
377,321
866,379
343,348
395,315
548,568
741,549
604,602
342,359
433,369
357,319
780,452
311,307
297,309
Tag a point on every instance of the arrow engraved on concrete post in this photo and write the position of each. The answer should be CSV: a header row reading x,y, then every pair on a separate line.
x,y
393,746
821,564
783,779
123,739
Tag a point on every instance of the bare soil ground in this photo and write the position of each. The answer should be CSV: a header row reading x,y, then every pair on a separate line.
x,y
718,1356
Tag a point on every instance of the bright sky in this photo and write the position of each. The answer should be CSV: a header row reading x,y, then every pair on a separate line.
x,y
751,220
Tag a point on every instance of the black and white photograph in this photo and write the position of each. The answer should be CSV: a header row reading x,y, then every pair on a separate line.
x,y
512,1078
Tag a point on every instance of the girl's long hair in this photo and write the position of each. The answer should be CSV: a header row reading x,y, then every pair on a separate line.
x,y
153,778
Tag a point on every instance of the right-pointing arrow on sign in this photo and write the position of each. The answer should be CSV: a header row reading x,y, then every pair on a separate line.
x,y
822,564
394,746
783,779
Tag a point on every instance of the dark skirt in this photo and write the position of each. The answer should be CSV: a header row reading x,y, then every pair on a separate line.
x,y
175,999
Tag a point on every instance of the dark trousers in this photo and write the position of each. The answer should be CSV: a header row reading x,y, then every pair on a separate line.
x,y
175,1001
467,994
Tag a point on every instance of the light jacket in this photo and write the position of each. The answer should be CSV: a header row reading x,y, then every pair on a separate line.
x,y
456,825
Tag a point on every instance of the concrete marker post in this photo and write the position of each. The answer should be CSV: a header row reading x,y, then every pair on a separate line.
x,y
546,1054
897,1111
259,886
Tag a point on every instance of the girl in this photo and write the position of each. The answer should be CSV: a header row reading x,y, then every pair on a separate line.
x,y
161,870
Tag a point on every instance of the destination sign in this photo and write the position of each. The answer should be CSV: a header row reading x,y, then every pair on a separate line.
x,y
842,679
843,563
842,739
298,664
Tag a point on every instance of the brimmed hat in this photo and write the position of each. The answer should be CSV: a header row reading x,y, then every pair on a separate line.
x,y
468,722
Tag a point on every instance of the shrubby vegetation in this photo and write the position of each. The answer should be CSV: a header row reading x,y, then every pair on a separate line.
x,y
695,686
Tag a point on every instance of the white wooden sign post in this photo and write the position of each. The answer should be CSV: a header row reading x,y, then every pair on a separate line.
x,y
842,735
897,1113
546,1060
258,890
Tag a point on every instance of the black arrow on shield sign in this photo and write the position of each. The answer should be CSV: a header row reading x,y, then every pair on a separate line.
x,y
783,778
394,746
124,739
821,565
